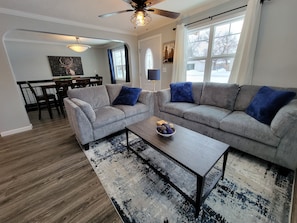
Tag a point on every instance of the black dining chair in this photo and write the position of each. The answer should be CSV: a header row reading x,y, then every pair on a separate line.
x,y
44,101
62,87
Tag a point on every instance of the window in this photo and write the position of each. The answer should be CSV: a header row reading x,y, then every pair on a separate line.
x,y
119,63
149,60
211,51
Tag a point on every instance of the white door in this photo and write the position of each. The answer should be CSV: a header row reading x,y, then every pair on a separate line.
x,y
149,58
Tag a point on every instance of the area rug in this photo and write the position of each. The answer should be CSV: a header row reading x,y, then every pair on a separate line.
x,y
253,190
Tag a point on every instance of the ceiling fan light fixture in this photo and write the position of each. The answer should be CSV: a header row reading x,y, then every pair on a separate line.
x,y
78,47
140,18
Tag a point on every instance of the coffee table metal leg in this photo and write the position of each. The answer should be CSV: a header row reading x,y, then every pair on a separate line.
x,y
224,163
200,182
127,139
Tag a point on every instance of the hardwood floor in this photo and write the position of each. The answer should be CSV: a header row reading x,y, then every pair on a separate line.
x,y
45,177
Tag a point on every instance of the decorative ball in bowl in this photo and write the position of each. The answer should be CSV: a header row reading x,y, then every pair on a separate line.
x,y
165,129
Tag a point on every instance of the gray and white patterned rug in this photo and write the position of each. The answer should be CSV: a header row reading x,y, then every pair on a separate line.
x,y
252,191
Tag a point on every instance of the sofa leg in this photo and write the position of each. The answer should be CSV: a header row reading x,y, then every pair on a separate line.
x,y
86,146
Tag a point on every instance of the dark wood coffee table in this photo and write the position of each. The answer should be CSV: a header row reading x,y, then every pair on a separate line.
x,y
192,151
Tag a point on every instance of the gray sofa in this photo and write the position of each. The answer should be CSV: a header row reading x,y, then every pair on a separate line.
x,y
218,111
92,116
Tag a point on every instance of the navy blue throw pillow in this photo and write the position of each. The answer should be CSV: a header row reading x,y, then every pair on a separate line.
x,y
267,102
181,92
127,96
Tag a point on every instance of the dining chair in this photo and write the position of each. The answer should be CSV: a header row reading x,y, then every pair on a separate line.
x,y
62,87
44,101
83,82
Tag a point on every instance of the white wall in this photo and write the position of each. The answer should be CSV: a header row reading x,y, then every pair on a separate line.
x,y
29,61
276,60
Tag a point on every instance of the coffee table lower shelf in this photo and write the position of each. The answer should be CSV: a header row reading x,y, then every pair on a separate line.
x,y
204,184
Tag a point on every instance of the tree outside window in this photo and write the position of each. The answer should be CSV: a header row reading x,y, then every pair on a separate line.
x,y
211,51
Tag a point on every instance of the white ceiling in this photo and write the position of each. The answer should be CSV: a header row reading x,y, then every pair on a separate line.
x,y
86,13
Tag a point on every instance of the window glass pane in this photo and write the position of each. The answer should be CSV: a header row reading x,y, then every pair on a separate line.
x,y
236,27
149,61
225,45
195,70
221,69
119,63
198,43
222,30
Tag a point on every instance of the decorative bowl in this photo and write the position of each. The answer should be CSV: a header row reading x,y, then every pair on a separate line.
x,y
165,135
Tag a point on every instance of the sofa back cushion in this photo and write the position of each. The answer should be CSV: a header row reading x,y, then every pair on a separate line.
x,y
247,93
114,90
96,96
245,96
219,94
197,91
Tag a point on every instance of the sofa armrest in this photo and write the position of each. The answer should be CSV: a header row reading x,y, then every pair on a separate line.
x,y
146,97
163,97
86,108
284,119
80,124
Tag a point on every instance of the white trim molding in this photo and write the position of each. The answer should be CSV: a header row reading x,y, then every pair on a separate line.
x,y
15,131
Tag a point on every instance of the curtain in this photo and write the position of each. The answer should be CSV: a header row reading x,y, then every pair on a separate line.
x,y
127,64
180,54
242,70
111,66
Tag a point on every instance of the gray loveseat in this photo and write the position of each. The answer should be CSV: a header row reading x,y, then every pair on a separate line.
x,y
92,116
218,111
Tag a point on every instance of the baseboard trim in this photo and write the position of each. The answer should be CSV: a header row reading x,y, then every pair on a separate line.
x,y
15,131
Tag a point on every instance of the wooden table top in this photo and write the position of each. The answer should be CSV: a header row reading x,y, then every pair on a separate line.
x,y
194,151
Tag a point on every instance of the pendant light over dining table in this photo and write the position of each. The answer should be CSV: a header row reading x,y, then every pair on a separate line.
x,y
78,47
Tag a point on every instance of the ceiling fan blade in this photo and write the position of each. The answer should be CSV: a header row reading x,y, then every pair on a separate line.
x,y
169,14
115,13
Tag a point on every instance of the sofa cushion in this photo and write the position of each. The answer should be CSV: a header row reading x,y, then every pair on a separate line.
x,y
240,123
207,115
245,96
86,107
129,111
197,91
114,90
107,115
96,96
177,108
127,96
181,92
219,95
267,102
284,119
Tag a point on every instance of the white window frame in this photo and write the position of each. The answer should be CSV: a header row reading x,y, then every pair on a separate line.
x,y
209,57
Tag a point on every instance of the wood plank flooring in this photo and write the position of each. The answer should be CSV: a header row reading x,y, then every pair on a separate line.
x,y
45,177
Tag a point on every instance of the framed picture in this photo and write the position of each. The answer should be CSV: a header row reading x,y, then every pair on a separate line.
x,y
65,66
168,52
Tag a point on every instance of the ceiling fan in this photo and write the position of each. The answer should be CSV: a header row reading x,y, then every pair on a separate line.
x,y
140,16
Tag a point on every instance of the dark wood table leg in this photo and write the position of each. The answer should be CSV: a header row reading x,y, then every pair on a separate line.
x,y
224,163
200,182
